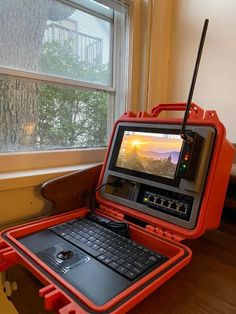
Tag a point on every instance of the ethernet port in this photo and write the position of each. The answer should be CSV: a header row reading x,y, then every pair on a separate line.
x,y
182,209
151,198
165,203
173,205
158,200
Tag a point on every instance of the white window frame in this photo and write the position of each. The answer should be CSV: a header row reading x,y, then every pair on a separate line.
x,y
33,161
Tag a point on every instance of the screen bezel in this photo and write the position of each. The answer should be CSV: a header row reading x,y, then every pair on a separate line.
x,y
151,177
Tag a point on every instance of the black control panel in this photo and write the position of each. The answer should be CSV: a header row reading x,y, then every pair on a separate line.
x,y
173,203
190,157
166,201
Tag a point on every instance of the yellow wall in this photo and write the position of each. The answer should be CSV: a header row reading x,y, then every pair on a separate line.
x,y
150,48
216,84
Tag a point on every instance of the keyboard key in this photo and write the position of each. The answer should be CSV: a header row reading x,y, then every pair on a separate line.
x,y
107,260
140,265
83,240
153,259
128,266
108,254
114,265
91,239
95,247
122,270
118,253
115,258
101,250
121,261
110,249
149,263
142,259
130,260
102,257
130,274
97,242
137,270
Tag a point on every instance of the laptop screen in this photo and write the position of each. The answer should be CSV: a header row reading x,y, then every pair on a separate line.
x,y
150,153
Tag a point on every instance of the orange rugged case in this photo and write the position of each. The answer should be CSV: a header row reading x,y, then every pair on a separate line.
x,y
157,234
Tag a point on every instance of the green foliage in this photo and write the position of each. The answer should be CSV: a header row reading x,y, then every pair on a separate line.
x,y
71,117
60,59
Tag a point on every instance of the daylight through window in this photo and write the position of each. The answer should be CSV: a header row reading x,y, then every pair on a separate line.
x,y
62,73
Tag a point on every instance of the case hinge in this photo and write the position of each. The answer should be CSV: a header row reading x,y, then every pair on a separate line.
x,y
167,234
8,257
155,229
112,211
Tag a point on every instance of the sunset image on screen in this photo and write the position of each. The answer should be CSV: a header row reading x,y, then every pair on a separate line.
x,y
151,153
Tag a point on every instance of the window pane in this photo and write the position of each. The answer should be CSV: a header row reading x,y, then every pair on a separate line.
x,y
37,116
53,38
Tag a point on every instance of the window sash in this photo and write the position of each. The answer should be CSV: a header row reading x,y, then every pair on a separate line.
x,y
46,78
94,8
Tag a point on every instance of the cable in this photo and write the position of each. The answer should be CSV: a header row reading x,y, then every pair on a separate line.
x,y
121,228
93,203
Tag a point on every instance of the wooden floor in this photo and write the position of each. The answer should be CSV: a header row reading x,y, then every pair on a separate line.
x,y
206,286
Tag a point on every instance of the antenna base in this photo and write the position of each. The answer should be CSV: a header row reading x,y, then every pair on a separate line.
x,y
186,138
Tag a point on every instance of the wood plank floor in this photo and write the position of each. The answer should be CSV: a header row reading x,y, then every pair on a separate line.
x,y
206,286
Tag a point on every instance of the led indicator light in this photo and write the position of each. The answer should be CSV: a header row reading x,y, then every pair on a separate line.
x,y
184,166
186,156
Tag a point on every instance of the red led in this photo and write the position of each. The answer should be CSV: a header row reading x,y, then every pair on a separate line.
x,y
186,157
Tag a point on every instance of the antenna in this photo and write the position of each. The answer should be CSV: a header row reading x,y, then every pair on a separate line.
x,y
183,134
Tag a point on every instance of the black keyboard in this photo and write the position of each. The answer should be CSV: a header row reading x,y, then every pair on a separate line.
x,y
123,255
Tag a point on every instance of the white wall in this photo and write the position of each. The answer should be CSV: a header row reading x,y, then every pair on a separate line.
x,y
216,84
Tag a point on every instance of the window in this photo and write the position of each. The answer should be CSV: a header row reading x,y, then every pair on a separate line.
x,y
62,73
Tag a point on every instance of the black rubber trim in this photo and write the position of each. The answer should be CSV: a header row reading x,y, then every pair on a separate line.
x,y
72,296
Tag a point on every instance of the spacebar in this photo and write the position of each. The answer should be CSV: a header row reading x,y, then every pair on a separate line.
x,y
84,247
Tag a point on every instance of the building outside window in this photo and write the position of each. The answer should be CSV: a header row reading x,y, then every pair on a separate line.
x,y
63,73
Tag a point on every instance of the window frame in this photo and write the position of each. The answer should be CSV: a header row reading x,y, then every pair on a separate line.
x,y
21,161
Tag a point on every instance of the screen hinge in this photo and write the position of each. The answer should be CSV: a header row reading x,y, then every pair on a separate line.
x,y
167,234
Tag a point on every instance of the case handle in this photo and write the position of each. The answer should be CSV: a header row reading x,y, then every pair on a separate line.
x,y
196,112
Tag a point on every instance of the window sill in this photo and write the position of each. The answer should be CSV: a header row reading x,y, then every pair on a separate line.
x,y
26,178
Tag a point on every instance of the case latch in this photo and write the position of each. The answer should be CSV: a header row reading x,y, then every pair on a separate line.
x,y
54,299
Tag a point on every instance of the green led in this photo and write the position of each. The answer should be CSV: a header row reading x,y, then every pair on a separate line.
x,y
184,166
145,199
